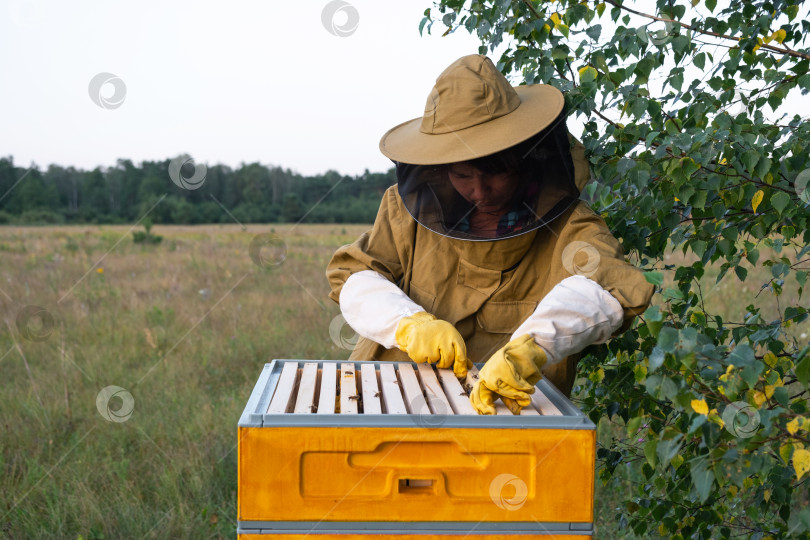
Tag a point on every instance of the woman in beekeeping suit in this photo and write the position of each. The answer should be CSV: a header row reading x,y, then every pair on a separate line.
x,y
482,251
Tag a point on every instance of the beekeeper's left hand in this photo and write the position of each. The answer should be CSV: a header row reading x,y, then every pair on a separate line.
x,y
511,374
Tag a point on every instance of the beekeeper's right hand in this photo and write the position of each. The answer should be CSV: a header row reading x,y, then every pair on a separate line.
x,y
428,339
379,310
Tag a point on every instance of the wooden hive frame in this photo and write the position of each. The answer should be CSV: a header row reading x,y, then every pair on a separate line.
x,y
383,388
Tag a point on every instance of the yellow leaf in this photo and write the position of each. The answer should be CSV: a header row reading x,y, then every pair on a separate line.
x,y
700,407
766,495
714,417
769,391
801,462
677,461
759,398
757,199
732,490
747,482
779,35
555,18
757,46
770,359
793,426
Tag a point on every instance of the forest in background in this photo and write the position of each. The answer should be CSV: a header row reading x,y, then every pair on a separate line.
x,y
251,193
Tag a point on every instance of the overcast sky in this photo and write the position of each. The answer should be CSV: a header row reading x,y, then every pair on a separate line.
x,y
226,82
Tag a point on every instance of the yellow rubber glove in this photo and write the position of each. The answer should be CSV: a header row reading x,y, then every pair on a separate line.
x,y
428,339
510,374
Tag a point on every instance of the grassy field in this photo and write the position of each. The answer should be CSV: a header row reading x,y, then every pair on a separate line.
x,y
184,327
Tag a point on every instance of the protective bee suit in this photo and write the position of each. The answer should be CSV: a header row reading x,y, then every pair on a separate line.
x,y
551,270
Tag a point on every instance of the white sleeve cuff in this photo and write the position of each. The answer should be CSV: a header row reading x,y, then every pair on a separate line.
x,y
574,314
373,306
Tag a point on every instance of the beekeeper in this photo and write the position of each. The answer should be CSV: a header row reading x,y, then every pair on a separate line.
x,y
482,251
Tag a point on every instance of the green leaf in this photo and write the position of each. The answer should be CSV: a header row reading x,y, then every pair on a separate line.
x,y
667,449
667,339
656,278
656,359
650,453
742,355
780,200
594,31
711,4
633,425
699,247
750,374
699,60
802,371
624,165
702,478
676,81
750,159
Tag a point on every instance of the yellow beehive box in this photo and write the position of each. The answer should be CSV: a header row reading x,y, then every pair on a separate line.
x,y
376,449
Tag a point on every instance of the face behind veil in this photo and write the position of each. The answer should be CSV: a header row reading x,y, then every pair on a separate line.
x,y
545,190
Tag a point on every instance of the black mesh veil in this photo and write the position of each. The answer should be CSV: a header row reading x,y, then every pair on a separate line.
x,y
546,188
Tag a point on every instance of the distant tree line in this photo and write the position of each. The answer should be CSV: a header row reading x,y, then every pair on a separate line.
x,y
251,193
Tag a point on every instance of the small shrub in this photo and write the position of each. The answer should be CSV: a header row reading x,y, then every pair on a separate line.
x,y
146,236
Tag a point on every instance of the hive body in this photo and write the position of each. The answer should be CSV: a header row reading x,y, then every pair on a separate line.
x,y
394,450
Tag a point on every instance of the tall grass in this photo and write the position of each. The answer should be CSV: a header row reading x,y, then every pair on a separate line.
x,y
184,327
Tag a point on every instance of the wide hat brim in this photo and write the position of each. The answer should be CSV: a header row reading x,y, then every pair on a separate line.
x,y
540,105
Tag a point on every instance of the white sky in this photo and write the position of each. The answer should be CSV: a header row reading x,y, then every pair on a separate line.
x,y
226,82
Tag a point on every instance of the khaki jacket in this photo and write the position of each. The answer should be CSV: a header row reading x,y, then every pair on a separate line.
x,y
487,289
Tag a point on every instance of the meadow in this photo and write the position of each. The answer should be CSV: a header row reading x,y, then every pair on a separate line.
x,y
183,327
